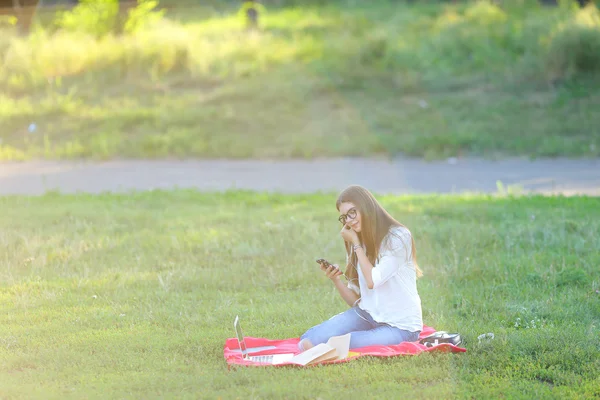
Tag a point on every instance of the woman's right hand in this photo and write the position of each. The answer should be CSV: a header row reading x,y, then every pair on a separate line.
x,y
332,271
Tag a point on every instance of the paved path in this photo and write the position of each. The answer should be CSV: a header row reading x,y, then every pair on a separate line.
x,y
554,176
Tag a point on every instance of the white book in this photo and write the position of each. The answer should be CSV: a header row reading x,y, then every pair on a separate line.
x,y
336,348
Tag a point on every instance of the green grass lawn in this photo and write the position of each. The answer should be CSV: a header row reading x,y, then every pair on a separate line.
x,y
349,79
133,296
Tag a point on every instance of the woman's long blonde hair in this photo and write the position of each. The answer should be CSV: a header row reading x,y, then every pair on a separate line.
x,y
376,223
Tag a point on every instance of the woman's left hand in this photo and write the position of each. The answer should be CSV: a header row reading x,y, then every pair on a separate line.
x,y
349,235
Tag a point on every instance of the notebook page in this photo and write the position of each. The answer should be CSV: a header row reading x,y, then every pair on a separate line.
x,y
341,344
317,352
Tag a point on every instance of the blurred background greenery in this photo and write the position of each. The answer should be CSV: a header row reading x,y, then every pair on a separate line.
x,y
432,79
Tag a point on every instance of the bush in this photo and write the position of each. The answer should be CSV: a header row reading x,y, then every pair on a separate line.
x,y
101,17
93,17
483,38
142,15
575,46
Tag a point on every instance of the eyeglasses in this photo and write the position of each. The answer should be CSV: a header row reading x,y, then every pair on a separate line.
x,y
344,217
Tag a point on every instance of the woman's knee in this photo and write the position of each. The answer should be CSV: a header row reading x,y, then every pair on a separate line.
x,y
339,324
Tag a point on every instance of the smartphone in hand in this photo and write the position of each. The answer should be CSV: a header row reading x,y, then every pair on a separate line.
x,y
325,263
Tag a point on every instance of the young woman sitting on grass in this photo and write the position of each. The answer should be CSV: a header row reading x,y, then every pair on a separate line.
x,y
382,272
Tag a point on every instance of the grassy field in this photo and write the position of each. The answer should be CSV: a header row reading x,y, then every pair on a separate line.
x,y
133,296
429,80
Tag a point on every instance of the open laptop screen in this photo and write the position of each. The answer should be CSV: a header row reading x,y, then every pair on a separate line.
x,y
246,351
240,337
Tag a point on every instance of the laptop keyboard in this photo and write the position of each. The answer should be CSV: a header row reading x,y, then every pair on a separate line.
x,y
262,359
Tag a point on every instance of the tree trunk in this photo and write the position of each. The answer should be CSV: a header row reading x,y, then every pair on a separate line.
x,y
24,11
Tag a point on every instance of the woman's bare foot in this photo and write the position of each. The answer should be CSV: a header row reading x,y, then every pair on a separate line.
x,y
305,344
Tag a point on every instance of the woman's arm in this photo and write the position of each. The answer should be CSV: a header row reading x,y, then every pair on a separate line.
x,y
365,265
350,236
349,296
334,273
390,261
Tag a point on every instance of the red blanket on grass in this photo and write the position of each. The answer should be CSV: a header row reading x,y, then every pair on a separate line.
x,y
234,357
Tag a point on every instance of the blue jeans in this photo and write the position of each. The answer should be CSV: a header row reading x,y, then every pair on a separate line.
x,y
364,331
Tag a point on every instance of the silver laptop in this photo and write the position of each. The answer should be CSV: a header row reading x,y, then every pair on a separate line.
x,y
269,359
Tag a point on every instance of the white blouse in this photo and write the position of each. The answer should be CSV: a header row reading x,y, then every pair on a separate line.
x,y
394,298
